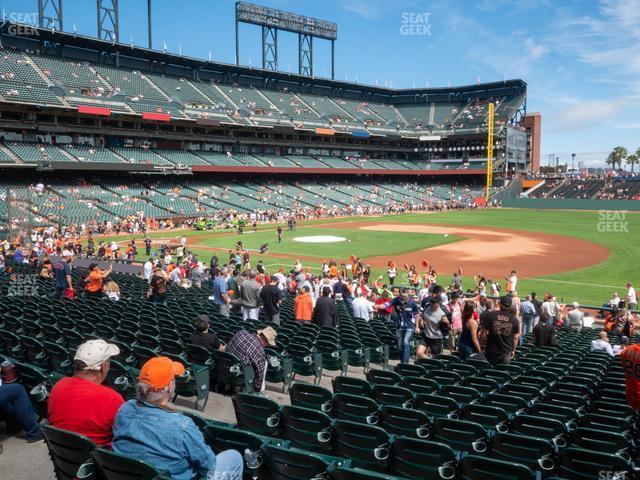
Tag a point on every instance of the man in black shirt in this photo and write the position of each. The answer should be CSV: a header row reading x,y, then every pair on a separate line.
x,y
202,337
502,331
324,313
270,297
544,333
537,304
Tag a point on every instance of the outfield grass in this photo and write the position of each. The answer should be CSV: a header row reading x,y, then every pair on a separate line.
x,y
592,285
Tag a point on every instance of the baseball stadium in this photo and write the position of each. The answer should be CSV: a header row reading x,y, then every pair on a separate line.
x,y
214,270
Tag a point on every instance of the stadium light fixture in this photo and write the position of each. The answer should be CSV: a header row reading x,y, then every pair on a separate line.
x,y
272,20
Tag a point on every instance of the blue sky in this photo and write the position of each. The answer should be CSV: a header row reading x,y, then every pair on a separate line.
x,y
579,58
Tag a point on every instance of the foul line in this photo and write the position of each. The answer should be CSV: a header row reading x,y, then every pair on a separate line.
x,y
576,283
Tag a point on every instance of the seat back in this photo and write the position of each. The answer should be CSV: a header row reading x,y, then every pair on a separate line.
x,y
305,428
422,459
291,463
351,385
474,467
460,435
115,466
355,408
533,452
67,450
366,445
578,463
310,396
257,414
404,421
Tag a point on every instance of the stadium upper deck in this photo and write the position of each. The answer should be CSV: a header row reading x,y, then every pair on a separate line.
x,y
73,76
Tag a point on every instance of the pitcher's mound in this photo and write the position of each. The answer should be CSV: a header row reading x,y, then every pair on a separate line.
x,y
320,239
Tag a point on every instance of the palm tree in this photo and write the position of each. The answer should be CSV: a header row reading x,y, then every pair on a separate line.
x,y
633,159
617,156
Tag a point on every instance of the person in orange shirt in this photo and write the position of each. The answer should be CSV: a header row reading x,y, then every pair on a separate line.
x,y
630,358
95,280
303,307
333,271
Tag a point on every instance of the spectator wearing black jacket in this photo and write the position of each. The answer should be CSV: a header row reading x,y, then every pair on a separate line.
x,y
270,297
203,337
537,305
325,313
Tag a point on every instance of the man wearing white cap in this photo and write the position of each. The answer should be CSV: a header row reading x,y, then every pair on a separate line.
x,y
81,403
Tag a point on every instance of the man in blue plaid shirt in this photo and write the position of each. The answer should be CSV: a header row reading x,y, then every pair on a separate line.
x,y
249,348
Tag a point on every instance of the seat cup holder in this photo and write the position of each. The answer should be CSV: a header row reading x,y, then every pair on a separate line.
x,y
39,393
447,472
324,436
372,419
559,442
422,432
326,407
479,446
546,463
381,453
273,421
121,383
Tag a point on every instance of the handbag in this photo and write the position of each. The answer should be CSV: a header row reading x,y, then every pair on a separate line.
x,y
70,294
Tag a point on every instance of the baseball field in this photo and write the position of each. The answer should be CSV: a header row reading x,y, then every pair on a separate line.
x,y
577,255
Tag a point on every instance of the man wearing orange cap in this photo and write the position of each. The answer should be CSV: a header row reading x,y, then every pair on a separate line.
x,y
149,429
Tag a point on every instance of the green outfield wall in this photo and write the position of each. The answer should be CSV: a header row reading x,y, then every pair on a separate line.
x,y
571,204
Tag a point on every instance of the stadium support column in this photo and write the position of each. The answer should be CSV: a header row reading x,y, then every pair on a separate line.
x,y
50,14
149,30
490,121
269,48
333,59
108,27
305,54
237,39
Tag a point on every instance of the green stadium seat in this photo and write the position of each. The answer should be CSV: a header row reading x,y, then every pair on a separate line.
x,y
420,459
436,406
257,414
460,435
115,466
535,453
68,451
292,464
355,408
229,371
404,421
578,463
351,385
367,446
311,396
305,428
474,467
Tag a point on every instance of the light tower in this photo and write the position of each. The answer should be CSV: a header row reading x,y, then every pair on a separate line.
x,y
490,121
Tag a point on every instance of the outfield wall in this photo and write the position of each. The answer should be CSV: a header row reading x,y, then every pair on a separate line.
x,y
571,204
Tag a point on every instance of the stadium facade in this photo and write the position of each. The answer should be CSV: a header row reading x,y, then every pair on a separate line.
x,y
74,107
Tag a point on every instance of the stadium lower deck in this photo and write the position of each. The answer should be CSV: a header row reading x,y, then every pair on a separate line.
x,y
352,411
81,201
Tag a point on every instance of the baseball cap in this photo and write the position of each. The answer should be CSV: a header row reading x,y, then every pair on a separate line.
x,y
269,334
159,372
505,301
95,352
67,253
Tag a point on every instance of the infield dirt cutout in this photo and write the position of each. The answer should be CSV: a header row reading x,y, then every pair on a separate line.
x,y
493,252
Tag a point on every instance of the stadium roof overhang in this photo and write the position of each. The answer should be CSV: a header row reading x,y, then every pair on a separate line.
x,y
30,33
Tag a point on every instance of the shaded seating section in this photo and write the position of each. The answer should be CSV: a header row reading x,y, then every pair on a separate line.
x,y
551,411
